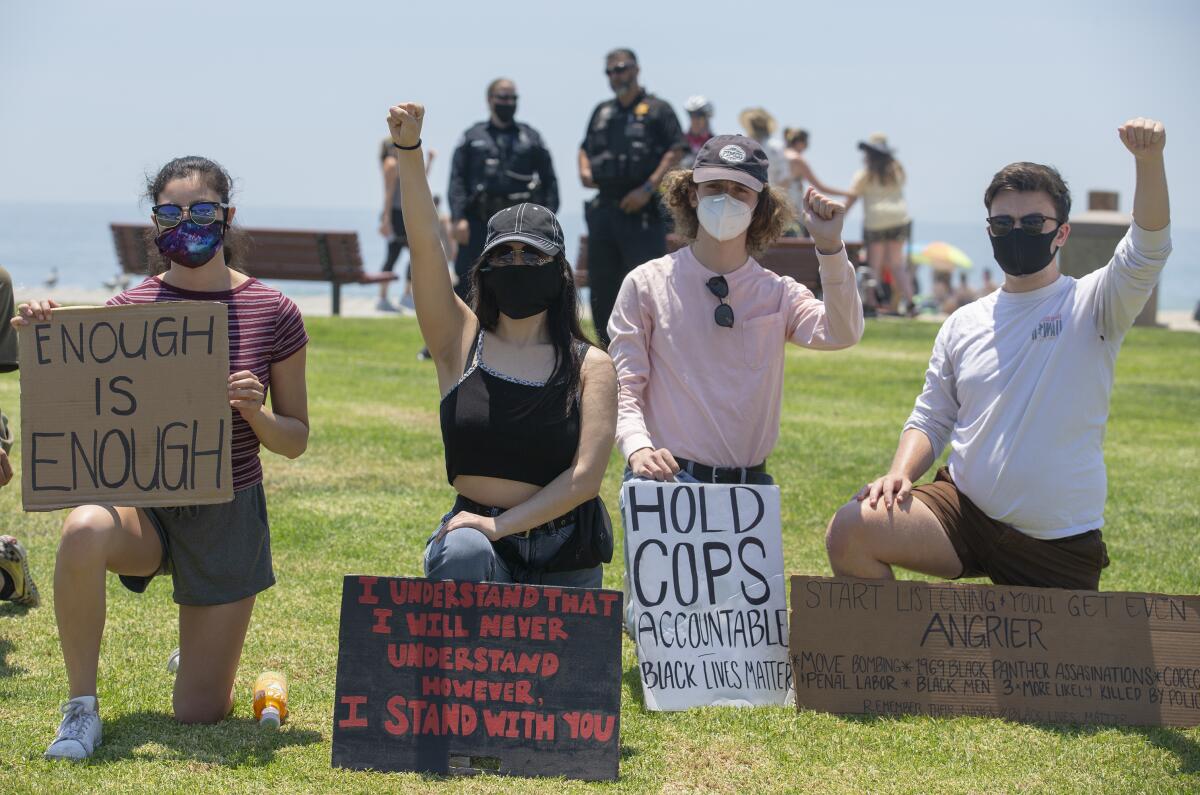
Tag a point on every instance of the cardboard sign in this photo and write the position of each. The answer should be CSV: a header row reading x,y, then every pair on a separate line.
x,y
517,679
1027,654
705,567
126,405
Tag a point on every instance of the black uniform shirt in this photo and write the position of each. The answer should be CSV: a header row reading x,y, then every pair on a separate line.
x,y
502,165
624,144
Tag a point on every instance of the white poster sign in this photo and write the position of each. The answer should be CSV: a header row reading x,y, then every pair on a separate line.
x,y
709,615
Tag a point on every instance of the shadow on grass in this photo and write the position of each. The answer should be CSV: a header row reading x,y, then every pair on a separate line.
x,y
234,742
1185,749
6,668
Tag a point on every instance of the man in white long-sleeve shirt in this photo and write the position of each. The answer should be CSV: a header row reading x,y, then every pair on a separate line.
x,y
1018,385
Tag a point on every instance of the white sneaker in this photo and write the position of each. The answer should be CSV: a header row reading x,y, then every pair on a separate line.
x,y
80,731
173,661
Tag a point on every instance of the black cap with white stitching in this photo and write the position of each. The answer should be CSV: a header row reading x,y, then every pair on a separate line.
x,y
528,223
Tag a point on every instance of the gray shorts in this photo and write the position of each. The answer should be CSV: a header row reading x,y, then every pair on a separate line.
x,y
216,554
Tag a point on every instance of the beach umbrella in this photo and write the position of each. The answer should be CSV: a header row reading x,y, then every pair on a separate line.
x,y
942,256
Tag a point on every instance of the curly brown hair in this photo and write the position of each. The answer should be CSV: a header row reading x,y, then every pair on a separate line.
x,y
773,214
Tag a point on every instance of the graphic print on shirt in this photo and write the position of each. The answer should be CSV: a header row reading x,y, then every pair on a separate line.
x,y
1048,327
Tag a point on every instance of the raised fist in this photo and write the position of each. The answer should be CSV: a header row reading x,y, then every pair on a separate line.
x,y
404,121
823,218
1145,138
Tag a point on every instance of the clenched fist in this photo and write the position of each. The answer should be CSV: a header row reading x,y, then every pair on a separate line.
x,y
1145,138
823,217
405,120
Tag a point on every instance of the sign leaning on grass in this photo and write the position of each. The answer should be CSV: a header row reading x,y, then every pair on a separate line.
x,y
126,405
705,567
1026,654
444,676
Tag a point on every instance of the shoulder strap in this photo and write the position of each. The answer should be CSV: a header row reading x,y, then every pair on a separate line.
x,y
475,353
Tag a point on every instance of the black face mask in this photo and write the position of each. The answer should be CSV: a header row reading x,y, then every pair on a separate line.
x,y
505,111
522,291
1019,254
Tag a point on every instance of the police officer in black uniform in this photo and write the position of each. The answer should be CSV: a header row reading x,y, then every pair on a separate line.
x,y
499,163
630,144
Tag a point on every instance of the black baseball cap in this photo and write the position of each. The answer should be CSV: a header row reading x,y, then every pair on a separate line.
x,y
733,157
528,223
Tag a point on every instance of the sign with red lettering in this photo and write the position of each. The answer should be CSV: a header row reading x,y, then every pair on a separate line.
x,y
709,612
1039,655
445,676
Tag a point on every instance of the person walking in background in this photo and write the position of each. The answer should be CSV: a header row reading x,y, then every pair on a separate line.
x,y
699,111
886,223
760,125
800,176
498,163
630,143
391,224
528,408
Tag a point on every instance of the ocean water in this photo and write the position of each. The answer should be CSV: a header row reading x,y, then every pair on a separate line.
x,y
75,239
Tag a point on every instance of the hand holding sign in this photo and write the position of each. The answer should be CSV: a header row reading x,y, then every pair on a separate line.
x,y
246,394
34,310
653,464
823,217
405,120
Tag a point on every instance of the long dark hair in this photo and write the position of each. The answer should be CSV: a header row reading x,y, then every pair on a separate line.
x,y
886,169
562,321
217,179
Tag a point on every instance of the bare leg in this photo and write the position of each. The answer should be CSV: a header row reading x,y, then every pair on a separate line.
x,y
210,647
865,542
95,539
898,265
875,263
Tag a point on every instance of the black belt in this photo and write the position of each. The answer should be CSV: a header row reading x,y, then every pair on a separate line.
x,y
467,504
706,474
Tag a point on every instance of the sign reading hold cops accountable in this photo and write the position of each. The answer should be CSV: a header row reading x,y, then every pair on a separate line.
x,y
705,567
518,679
1026,654
126,405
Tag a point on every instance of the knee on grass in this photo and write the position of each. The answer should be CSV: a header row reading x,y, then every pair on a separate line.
x,y
200,709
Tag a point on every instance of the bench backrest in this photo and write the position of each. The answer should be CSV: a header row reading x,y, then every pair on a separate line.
x,y
302,254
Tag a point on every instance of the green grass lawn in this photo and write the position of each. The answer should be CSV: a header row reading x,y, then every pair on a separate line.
x,y
372,484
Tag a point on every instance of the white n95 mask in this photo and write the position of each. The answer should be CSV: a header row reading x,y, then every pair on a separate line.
x,y
723,216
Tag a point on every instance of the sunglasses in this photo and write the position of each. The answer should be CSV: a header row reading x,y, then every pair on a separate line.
x,y
1001,225
200,213
509,257
723,314
619,69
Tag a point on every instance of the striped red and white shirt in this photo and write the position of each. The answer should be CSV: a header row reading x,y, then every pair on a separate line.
x,y
265,327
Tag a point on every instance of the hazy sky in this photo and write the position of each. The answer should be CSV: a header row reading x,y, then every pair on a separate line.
x,y
291,96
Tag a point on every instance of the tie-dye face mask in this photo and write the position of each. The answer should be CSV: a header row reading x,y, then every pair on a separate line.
x,y
190,244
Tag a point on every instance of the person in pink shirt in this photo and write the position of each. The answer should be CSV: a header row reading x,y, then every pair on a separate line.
x,y
698,336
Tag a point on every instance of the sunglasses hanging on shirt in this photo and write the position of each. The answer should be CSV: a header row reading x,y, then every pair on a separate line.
x,y
723,314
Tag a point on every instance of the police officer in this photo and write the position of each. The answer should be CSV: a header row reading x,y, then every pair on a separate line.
x,y
630,144
499,163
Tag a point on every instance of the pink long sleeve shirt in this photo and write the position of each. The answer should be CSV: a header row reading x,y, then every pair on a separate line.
x,y
712,394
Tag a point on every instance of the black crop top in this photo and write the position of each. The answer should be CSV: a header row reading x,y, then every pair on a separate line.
x,y
499,426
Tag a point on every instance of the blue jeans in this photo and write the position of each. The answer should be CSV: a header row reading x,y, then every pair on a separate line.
x,y
467,554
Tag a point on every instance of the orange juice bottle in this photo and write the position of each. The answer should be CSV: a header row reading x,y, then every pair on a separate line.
x,y
270,699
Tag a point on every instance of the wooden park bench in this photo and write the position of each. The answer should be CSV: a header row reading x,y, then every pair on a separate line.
x,y
789,256
283,254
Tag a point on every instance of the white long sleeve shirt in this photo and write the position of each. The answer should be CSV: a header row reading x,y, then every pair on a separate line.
x,y
1019,386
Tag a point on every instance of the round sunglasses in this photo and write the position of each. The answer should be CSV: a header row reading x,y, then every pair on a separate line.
x,y
723,314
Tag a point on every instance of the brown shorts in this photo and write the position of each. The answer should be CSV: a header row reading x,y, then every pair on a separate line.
x,y
988,548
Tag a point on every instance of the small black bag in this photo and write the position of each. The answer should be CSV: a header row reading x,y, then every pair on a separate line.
x,y
592,542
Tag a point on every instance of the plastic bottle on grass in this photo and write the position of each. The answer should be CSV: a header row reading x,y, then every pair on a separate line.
x,y
270,699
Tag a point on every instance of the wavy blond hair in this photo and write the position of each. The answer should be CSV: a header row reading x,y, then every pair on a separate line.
x,y
772,215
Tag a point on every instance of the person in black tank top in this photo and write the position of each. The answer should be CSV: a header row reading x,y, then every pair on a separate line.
x,y
529,404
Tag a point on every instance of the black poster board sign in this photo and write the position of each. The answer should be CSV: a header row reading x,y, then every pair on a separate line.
x,y
526,679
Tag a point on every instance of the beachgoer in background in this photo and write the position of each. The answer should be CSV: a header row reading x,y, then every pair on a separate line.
x,y
963,295
16,581
499,163
760,125
699,111
988,284
699,336
1022,498
391,225
886,222
529,405
800,175
630,143
219,556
